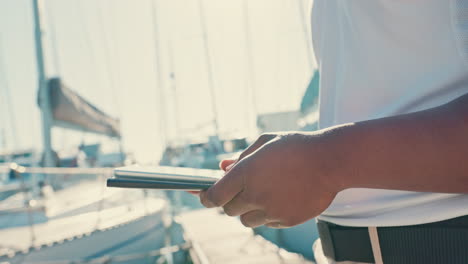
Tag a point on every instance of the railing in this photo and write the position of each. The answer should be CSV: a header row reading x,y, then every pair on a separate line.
x,y
54,170
19,172
164,254
161,254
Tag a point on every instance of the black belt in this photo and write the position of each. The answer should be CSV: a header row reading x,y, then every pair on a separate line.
x,y
443,242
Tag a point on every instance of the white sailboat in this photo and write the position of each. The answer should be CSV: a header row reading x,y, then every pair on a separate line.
x,y
82,223
85,222
71,230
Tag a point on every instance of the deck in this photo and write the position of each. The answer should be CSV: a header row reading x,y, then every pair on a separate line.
x,y
217,238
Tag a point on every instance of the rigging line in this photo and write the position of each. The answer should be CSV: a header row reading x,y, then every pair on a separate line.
x,y
158,73
55,50
107,52
250,69
8,98
110,73
53,39
277,56
3,112
209,64
115,54
174,87
307,38
87,40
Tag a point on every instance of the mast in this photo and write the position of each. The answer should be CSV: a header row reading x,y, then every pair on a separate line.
x,y
305,30
250,71
172,77
209,65
44,103
158,74
9,111
3,145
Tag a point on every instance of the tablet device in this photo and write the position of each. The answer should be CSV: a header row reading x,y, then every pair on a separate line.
x,y
153,184
167,178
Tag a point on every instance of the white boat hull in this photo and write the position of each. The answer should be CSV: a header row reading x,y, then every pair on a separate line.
x,y
120,231
140,236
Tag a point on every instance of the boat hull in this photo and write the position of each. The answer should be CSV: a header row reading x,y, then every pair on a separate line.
x,y
136,237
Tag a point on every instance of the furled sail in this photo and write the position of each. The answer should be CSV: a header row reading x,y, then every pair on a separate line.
x,y
70,110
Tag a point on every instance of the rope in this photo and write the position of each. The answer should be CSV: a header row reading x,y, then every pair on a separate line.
x,y
161,111
250,72
87,41
113,91
107,55
54,170
209,65
307,37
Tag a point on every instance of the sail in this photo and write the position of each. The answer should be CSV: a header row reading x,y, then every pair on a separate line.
x,y
70,110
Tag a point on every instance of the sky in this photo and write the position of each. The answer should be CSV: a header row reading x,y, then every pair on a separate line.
x,y
149,66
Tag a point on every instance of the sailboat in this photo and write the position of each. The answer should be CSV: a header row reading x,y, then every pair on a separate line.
x,y
82,223
85,222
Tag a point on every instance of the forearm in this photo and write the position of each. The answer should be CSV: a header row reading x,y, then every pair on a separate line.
x,y
425,151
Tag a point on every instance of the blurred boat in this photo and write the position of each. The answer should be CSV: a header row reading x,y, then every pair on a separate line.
x,y
204,154
9,189
8,184
84,222
80,221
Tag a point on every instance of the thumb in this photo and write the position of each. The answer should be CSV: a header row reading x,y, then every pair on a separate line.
x,y
227,164
224,190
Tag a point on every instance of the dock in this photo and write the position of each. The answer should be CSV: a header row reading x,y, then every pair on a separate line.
x,y
217,238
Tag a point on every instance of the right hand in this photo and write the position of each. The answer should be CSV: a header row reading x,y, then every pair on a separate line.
x,y
280,181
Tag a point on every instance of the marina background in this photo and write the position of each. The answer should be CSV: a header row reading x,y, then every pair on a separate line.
x,y
106,50
192,82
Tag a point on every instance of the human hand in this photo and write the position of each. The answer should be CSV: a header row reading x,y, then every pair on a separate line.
x,y
280,181
225,165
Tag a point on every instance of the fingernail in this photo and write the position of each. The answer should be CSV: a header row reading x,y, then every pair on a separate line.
x,y
205,201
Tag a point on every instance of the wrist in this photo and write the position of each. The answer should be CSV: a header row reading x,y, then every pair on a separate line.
x,y
336,150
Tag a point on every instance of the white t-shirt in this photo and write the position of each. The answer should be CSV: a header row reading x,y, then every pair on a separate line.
x,y
380,58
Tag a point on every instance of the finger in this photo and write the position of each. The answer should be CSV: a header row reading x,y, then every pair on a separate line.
x,y
224,190
257,144
194,192
226,164
239,205
254,218
205,201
